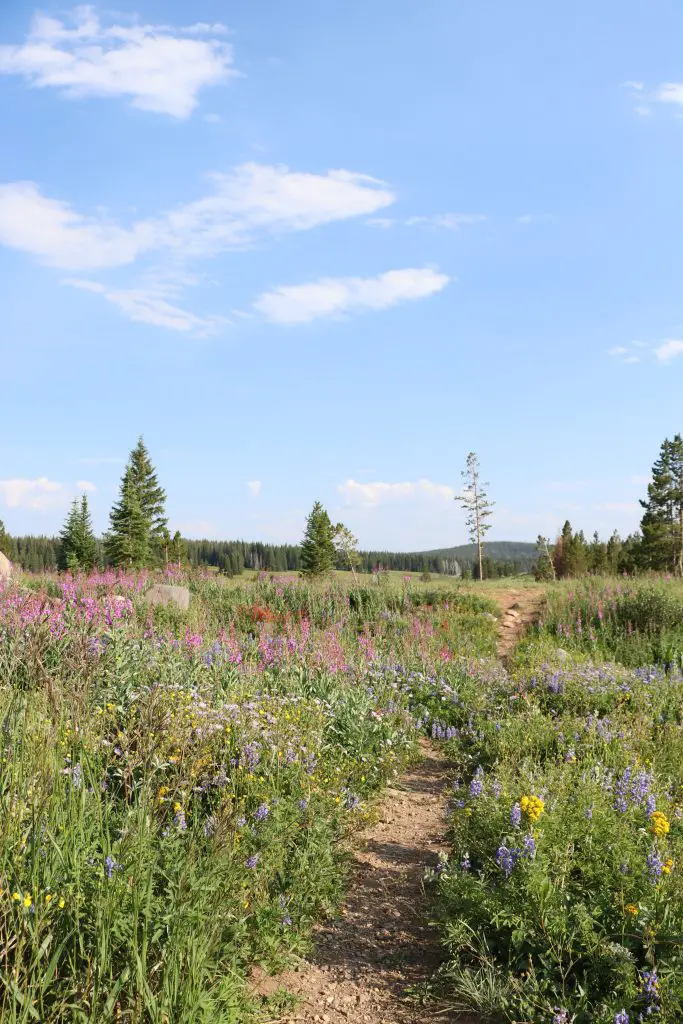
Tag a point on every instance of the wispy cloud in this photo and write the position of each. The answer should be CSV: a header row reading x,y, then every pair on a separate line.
x,y
330,297
156,67
380,492
618,506
151,306
670,92
244,205
669,350
85,485
446,221
254,487
626,354
381,222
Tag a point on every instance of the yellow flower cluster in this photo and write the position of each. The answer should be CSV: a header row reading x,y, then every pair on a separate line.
x,y
632,909
660,823
667,866
532,806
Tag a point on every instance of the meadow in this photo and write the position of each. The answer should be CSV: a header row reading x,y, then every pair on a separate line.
x,y
178,787
175,785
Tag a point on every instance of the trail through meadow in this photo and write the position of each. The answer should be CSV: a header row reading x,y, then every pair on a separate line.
x,y
371,963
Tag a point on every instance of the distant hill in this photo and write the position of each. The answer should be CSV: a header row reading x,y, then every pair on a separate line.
x,y
498,550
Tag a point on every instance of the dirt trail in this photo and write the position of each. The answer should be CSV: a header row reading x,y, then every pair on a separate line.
x,y
366,961
520,608
382,944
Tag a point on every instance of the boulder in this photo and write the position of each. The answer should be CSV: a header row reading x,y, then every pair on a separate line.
x,y
5,567
163,593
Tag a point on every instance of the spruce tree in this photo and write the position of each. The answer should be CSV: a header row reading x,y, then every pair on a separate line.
x,y
662,522
128,541
318,554
77,544
5,542
138,522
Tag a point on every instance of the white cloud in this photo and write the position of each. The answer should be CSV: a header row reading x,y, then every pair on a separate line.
x,y
632,359
32,494
378,493
448,221
637,86
151,306
381,222
246,203
156,67
329,297
52,231
256,199
670,92
669,350
85,485
617,350
254,488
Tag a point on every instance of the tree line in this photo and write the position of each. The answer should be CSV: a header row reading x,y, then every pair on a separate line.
x,y
138,536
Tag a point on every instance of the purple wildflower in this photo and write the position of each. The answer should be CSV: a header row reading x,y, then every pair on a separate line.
x,y
477,783
262,812
654,865
621,1017
506,859
515,815
529,844
252,861
110,866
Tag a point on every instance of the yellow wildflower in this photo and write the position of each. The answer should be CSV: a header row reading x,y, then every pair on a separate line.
x,y
61,903
16,897
532,806
667,866
49,897
631,908
177,807
660,823
27,900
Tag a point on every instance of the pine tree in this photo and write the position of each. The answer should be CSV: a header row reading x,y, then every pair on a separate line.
x,y
5,542
128,540
77,543
318,554
662,522
138,524
474,500
346,547
151,495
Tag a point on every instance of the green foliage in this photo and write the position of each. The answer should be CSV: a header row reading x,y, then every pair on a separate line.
x,y
137,521
318,553
478,509
78,546
662,523
5,542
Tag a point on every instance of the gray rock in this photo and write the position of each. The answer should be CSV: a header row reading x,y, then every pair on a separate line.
x,y
5,567
162,593
490,617
562,654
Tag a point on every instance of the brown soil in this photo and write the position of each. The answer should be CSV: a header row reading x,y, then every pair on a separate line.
x,y
370,963
520,608
366,961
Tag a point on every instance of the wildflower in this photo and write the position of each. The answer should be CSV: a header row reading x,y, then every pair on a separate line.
x,y
110,866
532,806
589,813
529,846
27,901
16,897
506,859
61,903
465,864
654,865
632,909
262,812
660,823
621,1017
561,1015
77,776
252,861
667,866
477,783
49,896
515,815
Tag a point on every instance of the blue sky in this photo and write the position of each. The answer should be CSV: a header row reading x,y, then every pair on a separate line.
x,y
324,249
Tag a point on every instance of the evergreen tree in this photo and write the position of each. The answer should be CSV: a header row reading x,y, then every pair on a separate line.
x,y
474,500
5,541
128,540
318,553
138,525
77,543
662,522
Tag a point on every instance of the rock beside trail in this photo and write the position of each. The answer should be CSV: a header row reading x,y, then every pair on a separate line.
x,y
162,593
5,567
